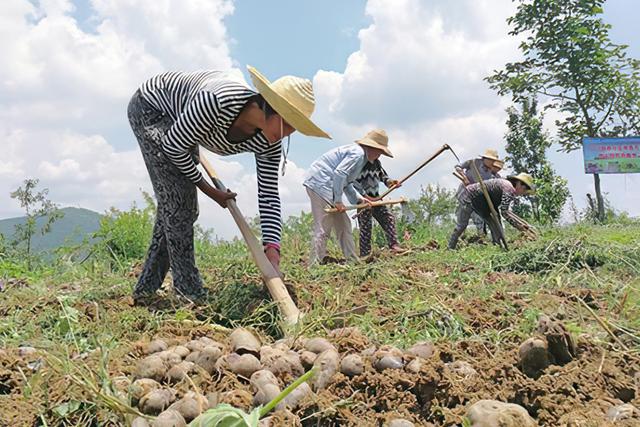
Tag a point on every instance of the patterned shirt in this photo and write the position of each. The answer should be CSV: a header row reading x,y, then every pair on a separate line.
x,y
501,193
372,174
204,105
469,171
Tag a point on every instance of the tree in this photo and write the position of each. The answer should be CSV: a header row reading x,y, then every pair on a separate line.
x,y
569,58
36,206
526,148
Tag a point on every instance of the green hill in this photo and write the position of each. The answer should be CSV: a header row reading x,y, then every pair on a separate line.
x,y
71,228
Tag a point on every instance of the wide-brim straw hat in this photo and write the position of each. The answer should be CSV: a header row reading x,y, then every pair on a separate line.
x,y
491,154
292,98
376,138
525,178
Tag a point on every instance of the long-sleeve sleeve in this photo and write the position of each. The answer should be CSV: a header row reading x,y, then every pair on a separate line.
x,y
384,177
340,175
267,165
505,208
193,125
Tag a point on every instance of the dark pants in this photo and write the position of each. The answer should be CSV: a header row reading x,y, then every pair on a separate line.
x,y
385,218
464,213
172,241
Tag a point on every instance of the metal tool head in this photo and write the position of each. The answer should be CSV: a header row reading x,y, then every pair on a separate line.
x,y
448,147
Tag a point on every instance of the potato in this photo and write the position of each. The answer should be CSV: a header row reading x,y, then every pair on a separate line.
x,y
352,365
388,357
141,387
415,365
326,365
193,356
26,351
622,412
213,398
169,418
244,365
491,413
400,422
181,351
281,362
195,345
151,367
307,358
266,393
533,357
462,368
155,346
179,372
262,377
190,406
318,345
140,422
424,349
294,398
207,359
243,341
156,401
169,357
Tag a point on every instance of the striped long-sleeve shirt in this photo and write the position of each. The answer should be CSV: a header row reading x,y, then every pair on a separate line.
x,y
501,193
203,106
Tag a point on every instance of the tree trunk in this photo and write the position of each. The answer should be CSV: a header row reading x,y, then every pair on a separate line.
x,y
599,199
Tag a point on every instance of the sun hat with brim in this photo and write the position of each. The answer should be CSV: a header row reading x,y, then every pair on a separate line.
x,y
376,138
292,98
490,154
524,178
498,163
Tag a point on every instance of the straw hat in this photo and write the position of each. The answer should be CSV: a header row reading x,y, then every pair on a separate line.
x,y
292,98
498,163
491,154
376,138
525,178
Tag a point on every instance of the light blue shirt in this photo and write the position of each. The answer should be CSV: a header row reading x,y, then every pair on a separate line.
x,y
335,172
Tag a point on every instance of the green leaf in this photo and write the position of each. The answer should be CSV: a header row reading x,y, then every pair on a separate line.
x,y
66,408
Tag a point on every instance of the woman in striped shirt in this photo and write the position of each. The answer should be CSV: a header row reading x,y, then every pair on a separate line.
x,y
174,113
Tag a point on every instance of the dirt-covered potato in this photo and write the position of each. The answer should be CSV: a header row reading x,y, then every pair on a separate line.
x,y
151,367
169,418
195,345
533,357
281,362
327,365
213,398
424,349
294,398
400,422
190,406
243,341
307,358
193,356
415,365
140,422
262,377
181,351
491,413
388,357
155,346
142,386
179,372
156,401
562,346
26,351
462,368
244,365
169,357
352,365
317,345
207,358
266,393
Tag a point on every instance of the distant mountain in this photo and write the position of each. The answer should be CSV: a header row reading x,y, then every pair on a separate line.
x,y
71,228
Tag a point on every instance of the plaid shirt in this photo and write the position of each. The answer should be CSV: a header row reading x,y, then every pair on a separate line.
x,y
501,193
368,182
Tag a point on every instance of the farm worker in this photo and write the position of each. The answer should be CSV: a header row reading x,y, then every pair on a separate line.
x,y
174,113
502,193
368,184
489,166
333,174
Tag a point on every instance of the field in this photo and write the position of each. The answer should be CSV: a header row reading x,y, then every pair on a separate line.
x,y
71,337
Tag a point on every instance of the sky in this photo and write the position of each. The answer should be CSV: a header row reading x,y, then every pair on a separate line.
x,y
412,67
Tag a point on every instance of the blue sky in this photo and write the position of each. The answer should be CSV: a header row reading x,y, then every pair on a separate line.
x,y
413,67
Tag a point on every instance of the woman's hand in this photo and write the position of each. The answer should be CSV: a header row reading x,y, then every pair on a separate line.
x,y
340,207
393,183
221,197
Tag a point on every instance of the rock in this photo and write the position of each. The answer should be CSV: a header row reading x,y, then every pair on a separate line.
x,y
561,345
533,357
156,401
155,346
491,413
424,349
244,365
621,412
151,367
318,345
169,418
388,357
243,341
462,368
352,365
